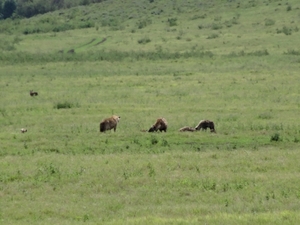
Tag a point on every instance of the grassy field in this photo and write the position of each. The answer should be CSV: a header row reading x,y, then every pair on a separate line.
x,y
234,63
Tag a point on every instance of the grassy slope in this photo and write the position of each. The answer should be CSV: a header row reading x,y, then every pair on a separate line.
x,y
65,172
243,27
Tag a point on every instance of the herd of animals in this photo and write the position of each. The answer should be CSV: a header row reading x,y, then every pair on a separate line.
x,y
161,124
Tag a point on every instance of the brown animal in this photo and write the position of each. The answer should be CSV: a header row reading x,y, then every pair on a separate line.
x,y
23,130
33,93
161,125
183,129
109,123
204,124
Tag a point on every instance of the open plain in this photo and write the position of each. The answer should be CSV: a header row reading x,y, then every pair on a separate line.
x,y
233,62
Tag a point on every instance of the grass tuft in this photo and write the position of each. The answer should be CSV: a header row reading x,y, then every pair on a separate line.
x,y
65,105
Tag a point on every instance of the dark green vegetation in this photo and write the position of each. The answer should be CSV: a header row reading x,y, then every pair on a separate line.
x,y
29,8
236,63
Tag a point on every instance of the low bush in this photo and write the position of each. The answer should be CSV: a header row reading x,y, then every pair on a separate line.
x,y
144,40
65,105
275,137
216,26
286,30
292,52
213,36
269,22
172,22
143,23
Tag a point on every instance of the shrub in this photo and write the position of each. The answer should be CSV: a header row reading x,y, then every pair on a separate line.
x,y
7,46
285,30
65,105
172,22
154,140
212,36
275,137
144,40
269,22
216,26
203,16
259,53
230,23
292,52
143,23
86,24
265,116
62,27
110,22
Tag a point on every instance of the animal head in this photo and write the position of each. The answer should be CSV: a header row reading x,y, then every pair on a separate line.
x,y
117,118
152,129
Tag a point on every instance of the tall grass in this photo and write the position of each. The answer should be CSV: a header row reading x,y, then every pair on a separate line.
x,y
112,56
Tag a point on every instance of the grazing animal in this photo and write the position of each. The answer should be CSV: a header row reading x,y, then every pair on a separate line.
x,y
183,129
109,123
161,125
204,124
33,93
23,130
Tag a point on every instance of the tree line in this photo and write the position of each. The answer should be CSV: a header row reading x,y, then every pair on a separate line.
x,y
29,8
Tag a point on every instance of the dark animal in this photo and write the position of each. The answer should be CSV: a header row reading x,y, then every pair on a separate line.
x,y
183,129
109,123
160,125
33,93
204,124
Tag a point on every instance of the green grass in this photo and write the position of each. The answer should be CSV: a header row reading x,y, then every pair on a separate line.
x,y
245,79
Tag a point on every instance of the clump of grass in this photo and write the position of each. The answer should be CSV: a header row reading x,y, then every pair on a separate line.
x,y
243,53
259,53
110,22
144,40
286,30
3,112
265,116
216,26
143,23
154,140
213,36
269,22
65,105
202,16
275,137
230,23
172,22
151,170
164,143
292,52
46,172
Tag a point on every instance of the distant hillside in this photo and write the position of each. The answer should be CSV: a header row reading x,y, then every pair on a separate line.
x,y
115,30
70,14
